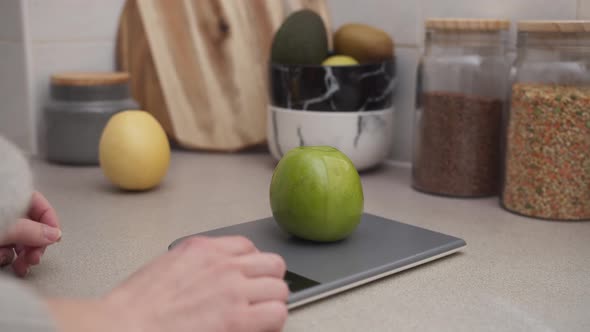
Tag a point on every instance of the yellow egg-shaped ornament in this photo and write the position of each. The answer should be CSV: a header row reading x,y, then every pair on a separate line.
x,y
134,151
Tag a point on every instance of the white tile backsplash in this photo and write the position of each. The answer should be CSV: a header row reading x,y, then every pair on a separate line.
x,y
10,21
49,58
80,35
584,9
407,63
15,122
74,20
397,17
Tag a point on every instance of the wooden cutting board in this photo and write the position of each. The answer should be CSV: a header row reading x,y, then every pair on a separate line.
x,y
200,67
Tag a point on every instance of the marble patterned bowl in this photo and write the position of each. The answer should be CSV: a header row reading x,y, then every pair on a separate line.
x,y
356,88
365,137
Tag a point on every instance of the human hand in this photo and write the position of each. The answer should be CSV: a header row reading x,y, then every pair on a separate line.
x,y
205,284
28,238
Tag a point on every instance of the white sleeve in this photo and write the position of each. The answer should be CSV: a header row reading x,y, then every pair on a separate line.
x,y
21,310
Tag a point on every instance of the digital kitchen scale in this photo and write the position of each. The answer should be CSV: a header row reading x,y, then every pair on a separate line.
x,y
378,247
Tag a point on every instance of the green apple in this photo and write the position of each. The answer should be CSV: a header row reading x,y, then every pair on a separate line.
x,y
316,194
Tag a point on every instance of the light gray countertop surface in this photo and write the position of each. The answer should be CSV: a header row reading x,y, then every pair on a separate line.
x,y
515,274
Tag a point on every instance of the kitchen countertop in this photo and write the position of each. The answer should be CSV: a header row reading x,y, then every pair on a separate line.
x,y
515,274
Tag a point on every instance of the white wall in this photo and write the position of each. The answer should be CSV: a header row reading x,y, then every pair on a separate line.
x,y
584,9
39,37
15,111
69,35
403,19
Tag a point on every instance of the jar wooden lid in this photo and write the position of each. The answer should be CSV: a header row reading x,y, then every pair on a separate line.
x,y
465,24
89,78
554,26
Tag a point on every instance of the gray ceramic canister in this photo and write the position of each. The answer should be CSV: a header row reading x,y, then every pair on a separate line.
x,y
80,106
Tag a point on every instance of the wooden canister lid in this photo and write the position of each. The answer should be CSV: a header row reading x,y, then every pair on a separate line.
x,y
467,24
89,78
554,26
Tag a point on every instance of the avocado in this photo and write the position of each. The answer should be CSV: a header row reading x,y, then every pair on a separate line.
x,y
302,39
363,42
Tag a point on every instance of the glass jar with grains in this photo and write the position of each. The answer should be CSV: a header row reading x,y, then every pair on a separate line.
x,y
461,94
546,171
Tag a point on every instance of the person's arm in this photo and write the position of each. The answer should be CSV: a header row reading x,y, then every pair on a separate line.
x,y
82,315
222,284
205,284
21,310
